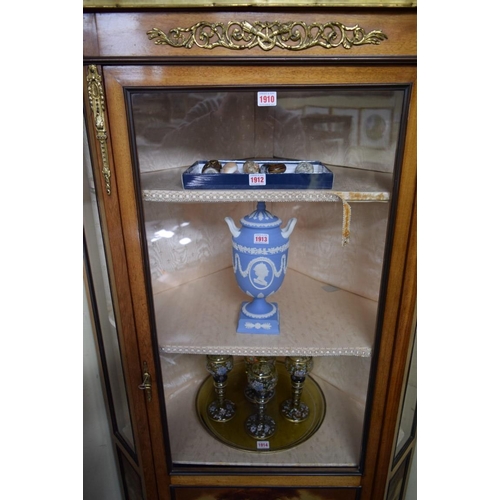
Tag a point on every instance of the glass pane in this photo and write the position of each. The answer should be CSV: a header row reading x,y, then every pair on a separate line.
x,y
408,413
397,484
106,320
326,306
349,128
131,480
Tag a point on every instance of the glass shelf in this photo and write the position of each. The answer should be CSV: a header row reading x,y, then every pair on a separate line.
x,y
316,319
350,184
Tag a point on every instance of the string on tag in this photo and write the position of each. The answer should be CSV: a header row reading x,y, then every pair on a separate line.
x,y
346,221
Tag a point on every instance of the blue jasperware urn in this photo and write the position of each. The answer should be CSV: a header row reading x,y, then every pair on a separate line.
x,y
260,254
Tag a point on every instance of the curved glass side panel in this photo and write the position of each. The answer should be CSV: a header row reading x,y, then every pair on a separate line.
x,y
105,317
408,417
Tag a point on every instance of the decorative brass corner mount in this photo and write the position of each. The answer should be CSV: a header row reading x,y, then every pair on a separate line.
x,y
292,35
96,100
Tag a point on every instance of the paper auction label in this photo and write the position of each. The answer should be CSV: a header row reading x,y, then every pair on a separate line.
x,y
261,238
267,99
256,179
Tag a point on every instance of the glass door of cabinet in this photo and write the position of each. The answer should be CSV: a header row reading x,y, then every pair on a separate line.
x,y
110,298
216,375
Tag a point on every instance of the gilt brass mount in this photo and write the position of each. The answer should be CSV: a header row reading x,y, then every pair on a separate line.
x,y
292,35
96,100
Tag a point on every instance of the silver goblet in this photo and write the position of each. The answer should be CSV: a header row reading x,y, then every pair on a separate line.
x,y
222,409
298,367
262,379
249,391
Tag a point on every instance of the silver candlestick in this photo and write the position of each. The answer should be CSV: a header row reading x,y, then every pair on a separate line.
x,y
222,409
298,367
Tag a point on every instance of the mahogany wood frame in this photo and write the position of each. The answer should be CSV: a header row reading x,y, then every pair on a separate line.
x,y
128,61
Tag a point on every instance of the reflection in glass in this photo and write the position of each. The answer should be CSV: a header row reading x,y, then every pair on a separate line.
x,y
408,413
353,130
173,129
107,324
342,127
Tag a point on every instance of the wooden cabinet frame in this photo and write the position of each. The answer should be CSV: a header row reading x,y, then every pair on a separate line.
x,y
117,45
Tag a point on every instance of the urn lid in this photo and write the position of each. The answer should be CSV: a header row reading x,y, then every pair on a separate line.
x,y
260,218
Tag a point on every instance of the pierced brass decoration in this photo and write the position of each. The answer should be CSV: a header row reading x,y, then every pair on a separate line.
x,y
293,35
96,99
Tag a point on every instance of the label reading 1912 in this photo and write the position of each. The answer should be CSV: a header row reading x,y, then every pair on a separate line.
x,y
267,99
261,238
256,179
263,445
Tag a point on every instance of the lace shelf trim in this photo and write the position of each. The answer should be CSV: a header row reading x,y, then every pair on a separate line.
x,y
364,352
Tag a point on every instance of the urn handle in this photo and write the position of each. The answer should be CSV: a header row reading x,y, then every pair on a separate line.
x,y
287,231
232,227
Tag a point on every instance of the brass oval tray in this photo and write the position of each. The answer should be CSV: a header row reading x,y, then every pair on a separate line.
x,y
288,434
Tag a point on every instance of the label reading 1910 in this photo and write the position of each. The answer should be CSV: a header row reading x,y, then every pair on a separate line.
x,y
256,179
261,238
267,99
263,445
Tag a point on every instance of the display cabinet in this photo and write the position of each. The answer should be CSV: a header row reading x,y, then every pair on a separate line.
x,y
299,398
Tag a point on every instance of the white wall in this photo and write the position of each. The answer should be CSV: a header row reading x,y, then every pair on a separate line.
x,y
100,471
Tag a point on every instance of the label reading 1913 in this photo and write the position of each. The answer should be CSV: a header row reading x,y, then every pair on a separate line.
x,y
256,179
261,238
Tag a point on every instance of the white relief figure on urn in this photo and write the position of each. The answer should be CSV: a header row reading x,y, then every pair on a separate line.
x,y
260,234
262,272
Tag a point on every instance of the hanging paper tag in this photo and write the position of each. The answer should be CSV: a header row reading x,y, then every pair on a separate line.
x,y
267,99
256,179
